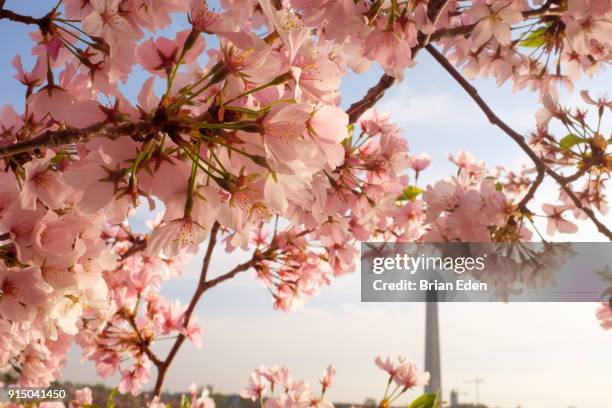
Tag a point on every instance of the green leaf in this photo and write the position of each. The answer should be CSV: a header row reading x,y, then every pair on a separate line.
x,y
570,140
535,39
498,186
410,193
426,401
110,403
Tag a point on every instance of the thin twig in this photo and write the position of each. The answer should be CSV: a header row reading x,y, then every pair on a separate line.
x,y
541,172
229,275
203,286
134,249
519,139
162,368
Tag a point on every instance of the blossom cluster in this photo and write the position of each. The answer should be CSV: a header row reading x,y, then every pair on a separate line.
x,y
584,151
290,392
537,46
137,314
275,387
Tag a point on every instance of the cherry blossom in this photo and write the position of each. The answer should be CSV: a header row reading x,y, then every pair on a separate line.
x,y
604,314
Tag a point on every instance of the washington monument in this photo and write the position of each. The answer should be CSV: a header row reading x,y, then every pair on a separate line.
x,y
432,344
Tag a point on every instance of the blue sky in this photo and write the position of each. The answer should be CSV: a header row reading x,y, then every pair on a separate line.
x,y
532,355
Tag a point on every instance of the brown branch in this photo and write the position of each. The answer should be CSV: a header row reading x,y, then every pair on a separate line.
x,y
519,139
137,247
162,367
5,236
522,205
371,97
581,172
57,138
452,32
203,286
19,18
229,275
44,23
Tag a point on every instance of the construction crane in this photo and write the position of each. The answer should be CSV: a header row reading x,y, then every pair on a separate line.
x,y
477,381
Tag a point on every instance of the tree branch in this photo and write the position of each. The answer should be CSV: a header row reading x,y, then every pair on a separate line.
x,y
57,138
203,286
519,139
371,97
229,275
522,205
44,23
162,367
137,247
19,18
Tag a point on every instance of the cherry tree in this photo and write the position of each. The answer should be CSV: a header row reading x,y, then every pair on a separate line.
x,y
236,139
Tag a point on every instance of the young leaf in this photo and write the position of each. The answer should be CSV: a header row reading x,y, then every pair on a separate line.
x,y
426,401
410,193
535,39
110,403
570,141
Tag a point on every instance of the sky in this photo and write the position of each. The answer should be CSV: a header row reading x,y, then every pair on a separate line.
x,y
529,355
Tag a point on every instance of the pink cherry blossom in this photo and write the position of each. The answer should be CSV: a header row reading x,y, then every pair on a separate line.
x,y
161,55
107,21
604,314
202,18
408,376
420,162
44,184
328,377
288,25
389,48
556,222
494,20
257,385
82,397
29,79
22,291
386,365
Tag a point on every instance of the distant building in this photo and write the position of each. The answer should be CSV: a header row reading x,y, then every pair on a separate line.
x,y
454,402
454,398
